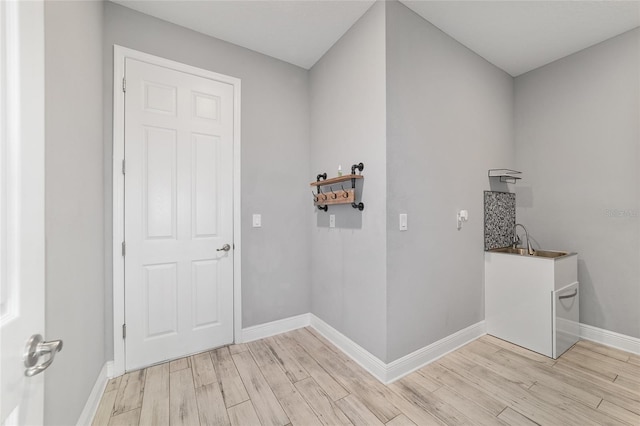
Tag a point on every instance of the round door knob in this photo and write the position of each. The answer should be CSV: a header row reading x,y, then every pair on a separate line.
x,y
225,247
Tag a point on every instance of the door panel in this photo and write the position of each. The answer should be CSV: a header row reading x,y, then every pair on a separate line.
x,y
21,206
204,273
161,290
159,183
205,163
178,213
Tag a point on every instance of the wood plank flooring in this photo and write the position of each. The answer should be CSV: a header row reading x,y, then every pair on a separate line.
x,y
299,378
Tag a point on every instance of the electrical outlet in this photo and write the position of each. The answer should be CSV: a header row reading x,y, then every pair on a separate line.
x,y
332,221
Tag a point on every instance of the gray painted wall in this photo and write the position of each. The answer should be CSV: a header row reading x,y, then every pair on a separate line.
x,y
578,133
449,120
275,152
426,116
74,209
348,125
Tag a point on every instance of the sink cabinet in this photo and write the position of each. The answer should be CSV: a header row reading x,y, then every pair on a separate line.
x,y
533,301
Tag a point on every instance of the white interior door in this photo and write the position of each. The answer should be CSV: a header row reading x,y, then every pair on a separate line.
x,y
178,213
21,206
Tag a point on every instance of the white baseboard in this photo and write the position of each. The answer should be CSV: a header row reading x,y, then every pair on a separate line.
x,y
111,370
91,406
386,373
426,355
393,371
354,351
269,329
610,338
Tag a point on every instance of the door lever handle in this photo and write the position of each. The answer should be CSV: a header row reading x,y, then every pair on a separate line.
x,y
225,247
35,348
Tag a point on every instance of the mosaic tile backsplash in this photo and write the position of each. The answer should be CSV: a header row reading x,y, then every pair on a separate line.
x,y
499,219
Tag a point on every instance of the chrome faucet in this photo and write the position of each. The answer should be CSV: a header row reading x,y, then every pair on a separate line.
x,y
516,239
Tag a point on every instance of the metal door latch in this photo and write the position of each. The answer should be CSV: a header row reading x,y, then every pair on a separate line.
x,y
35,348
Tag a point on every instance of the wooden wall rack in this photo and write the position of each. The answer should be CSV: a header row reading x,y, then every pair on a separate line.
x,y
337,194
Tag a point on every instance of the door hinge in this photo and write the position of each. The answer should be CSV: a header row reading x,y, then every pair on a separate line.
x,y
124,84
124,169
124,248
124,331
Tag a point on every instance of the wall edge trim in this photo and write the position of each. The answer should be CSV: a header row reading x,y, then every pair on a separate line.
x,y
360,355
385,373
610,338
436,350
93,401
390,372
272,328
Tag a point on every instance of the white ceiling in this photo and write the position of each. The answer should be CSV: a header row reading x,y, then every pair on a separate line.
x,y
517,36
298,32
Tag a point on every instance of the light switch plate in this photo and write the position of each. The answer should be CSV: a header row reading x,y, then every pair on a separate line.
x,y
332,221
257,220
403,222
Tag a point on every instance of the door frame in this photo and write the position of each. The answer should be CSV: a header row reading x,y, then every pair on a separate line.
x,y
119,55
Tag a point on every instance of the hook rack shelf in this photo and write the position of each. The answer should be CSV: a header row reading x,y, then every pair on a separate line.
x,y
340,195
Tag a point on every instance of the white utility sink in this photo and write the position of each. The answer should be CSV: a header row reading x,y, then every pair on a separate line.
x,y
532,300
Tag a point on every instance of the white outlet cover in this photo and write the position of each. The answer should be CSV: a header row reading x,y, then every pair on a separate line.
x,y
332,221
257,220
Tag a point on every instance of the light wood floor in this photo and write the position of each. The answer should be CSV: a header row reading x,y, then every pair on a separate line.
x,y
299,378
